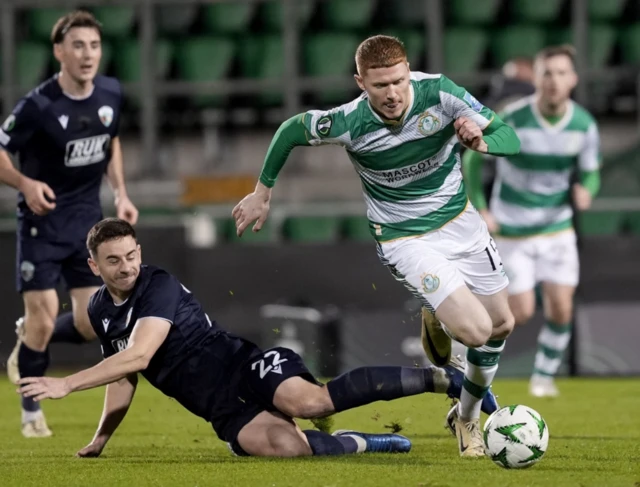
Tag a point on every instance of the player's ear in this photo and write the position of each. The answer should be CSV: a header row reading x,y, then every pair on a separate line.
x,y
93,266
360,81
57,52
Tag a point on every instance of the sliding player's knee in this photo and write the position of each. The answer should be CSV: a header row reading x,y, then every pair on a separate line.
x,y
310,402
286,442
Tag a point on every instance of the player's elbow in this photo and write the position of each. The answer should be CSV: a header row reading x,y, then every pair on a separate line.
x,y
140,360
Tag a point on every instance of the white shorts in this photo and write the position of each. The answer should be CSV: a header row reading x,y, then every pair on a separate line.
x,y
543,258
435,264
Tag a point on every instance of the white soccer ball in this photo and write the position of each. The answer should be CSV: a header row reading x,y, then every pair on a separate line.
x,y
516,436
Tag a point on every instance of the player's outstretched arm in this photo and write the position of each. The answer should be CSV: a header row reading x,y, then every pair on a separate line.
x,y
115,175
147,336
255,206
117,400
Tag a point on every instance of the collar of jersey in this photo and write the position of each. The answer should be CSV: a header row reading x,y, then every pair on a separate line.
x,y
545,124
72,97
401,120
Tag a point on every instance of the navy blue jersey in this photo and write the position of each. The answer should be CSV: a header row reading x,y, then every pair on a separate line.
x,y
197,357
65,142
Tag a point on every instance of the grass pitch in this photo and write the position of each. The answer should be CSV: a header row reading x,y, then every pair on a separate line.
x,y
594,427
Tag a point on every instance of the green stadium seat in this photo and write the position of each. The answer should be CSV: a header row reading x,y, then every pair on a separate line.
x,y
414,42
117,20
317,229
271,13
356,228
536,10
474,12
516,41
127,62
40,22
619,181
32,63
265,235
330,55
408,13
228,17
605,10
107,57
633,222
602,39
600,222
630,44
262,57
464,49
175,19
205,59
348,14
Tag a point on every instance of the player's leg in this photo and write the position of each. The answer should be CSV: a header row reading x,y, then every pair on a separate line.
x,y
31,353
483,272
74,326
273,434
559,272
519,260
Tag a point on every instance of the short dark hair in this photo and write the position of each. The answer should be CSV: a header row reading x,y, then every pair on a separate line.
x,y
560,50
78,18
107,230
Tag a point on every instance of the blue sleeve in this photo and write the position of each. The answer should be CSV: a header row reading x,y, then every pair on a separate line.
x,y
18,128
161,298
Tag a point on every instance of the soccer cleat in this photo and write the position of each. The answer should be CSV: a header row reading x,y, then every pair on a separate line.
x,y
436,343
36,428
12,362
377,443
543,386
455,372
469,436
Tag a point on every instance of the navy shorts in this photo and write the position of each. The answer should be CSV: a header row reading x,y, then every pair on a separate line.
x,y
41,260
252,389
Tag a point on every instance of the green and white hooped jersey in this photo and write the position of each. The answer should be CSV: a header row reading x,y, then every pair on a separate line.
x,y
410,170
531,194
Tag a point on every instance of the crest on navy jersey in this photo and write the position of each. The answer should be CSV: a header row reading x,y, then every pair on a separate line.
x,y
106,115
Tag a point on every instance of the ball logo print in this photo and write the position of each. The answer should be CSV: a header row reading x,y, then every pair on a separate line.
x,y
428,124
275,367
516,437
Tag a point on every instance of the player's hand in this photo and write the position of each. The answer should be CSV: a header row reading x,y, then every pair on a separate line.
x,y
126,210
39,196
470,134
40,388
92,450
581,197
254,206
490,220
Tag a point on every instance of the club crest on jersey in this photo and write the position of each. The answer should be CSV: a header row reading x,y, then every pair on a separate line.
x,y
430,283
428,124
106,115
90,150
475,105
324,126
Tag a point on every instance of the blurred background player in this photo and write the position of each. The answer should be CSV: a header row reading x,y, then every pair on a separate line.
x,y
530,212
148,322
403,136
65,132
